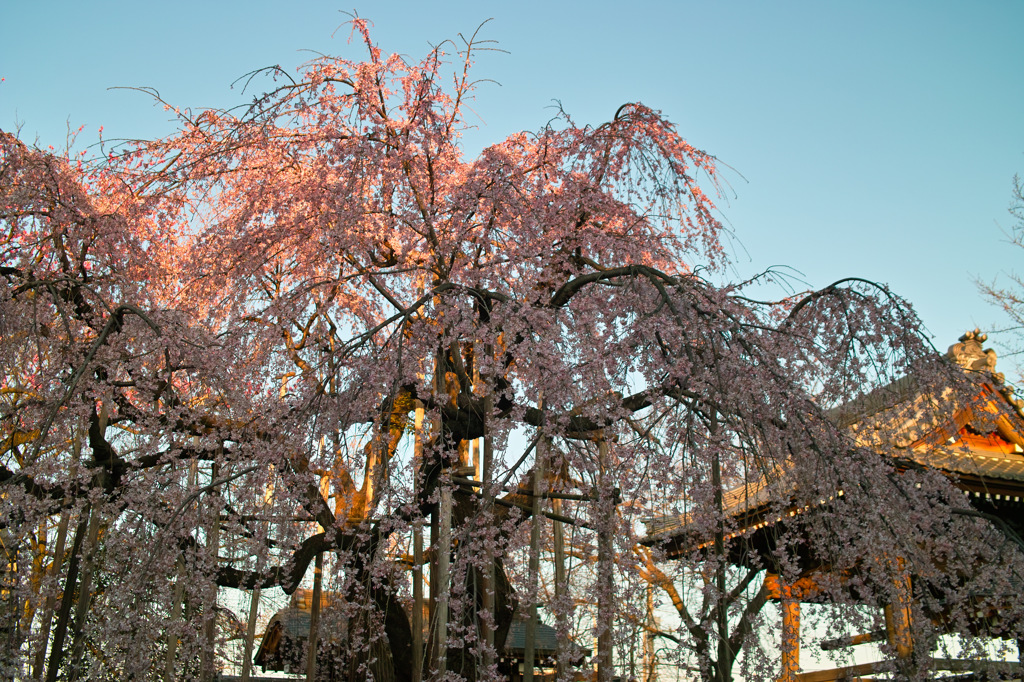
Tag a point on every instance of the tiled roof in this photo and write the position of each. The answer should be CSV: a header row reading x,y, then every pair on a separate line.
x,y
545,639
911,422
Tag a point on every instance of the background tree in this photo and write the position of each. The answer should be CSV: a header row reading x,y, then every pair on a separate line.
x,y
1007,296
215,346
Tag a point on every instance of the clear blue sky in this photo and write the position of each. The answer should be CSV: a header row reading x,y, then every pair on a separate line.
x,y
875,139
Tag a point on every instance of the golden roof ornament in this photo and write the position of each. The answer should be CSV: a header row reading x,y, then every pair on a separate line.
x,y
970,355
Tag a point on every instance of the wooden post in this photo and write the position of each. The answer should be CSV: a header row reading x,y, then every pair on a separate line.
x,y
57,649
605,568
441,540
724,656
417,554
208,652
790,634
314,617
898,622
561,623
488,572
84,595
650,625
170,663
250,633
539,470
58,559
443,549
88,568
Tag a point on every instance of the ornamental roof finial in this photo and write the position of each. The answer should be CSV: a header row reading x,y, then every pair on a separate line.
x,y
970,355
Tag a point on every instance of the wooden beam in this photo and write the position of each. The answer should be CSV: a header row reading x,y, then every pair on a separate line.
x,y
844,673
938,664
853,640
803,589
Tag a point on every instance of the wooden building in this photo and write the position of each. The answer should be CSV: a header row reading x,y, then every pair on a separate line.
x,y
545,651
976,441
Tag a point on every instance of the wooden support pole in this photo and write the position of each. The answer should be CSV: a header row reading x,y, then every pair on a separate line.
x,y
314,617
250,633
417,554
170,663
488,571
650,627
64,615
898,621
724,655
443,549
539,472
438,578
84,595
605,568
561,620
46,621
254,598
433,594
88,569
208,651
790,639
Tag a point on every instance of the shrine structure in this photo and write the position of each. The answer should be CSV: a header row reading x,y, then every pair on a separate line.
x,y
975,439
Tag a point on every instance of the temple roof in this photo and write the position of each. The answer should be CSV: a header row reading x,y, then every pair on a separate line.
x,y
975,435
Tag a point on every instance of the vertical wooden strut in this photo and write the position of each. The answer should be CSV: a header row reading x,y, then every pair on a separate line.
x,y
561,624
88,568
441,538
57,649
208,652
417,555
650,625
314,617
254,602
539,472
38,668
898,622
605,567
84,595
724,655
790,633
250,633
488,572
444,549
170,664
